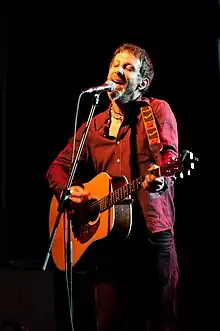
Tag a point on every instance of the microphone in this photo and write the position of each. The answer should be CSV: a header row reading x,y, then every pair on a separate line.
x,y
106,87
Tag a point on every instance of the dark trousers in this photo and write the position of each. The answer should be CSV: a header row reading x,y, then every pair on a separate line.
x,y
136,285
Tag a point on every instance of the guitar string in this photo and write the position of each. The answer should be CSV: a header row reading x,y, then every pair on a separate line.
x,y
96,204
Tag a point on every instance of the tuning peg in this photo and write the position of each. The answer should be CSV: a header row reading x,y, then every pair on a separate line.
x,y
184,154
192,165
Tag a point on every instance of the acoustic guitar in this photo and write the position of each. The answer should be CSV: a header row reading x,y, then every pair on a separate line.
x,y
107,213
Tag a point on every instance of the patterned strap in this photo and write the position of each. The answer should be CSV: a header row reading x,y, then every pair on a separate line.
x,y
152,132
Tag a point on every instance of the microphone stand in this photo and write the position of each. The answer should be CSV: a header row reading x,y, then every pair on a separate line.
x,y
62,204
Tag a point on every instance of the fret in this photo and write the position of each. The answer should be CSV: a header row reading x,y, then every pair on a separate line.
x,y
126,191
101,201
116,196
132,187
121,193
111,200
104,203
138,183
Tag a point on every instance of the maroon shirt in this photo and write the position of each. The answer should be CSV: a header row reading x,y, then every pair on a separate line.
x,y
127,155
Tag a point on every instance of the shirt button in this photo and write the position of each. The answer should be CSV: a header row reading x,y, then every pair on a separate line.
x,y
118,160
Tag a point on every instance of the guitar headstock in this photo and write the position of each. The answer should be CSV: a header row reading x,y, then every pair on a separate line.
x,y
189,161
184,164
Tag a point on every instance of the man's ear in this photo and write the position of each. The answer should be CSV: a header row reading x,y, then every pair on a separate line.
x,y
143,84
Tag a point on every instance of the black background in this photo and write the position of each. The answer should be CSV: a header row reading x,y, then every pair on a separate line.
x,y
47,59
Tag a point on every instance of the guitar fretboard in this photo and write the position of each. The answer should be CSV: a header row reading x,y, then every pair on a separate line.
x,y
121,193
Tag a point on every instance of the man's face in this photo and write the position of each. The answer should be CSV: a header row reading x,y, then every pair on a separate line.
x,y
124,71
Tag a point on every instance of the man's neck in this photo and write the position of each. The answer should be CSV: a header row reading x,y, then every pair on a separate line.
x,y
118,109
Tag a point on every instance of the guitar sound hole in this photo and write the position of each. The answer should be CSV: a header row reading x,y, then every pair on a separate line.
x,y
83,217
86,212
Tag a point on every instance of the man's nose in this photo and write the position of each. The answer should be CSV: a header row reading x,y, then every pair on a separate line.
x,y
121,71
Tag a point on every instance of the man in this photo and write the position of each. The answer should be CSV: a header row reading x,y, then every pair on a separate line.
x,y
135,279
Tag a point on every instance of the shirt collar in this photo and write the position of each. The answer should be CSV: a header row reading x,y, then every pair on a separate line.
x,y
104,117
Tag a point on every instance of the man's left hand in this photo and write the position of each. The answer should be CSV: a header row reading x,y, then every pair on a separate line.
x,y
153,183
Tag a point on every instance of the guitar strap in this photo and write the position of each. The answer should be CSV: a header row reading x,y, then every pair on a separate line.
x,y
152,132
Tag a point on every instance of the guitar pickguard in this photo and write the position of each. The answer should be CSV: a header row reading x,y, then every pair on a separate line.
x,y
85,232
85,222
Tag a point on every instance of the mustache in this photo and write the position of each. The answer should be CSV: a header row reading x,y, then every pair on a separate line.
x,y
118,75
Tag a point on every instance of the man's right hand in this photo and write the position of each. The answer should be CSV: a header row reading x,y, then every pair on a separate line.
x,y
78,194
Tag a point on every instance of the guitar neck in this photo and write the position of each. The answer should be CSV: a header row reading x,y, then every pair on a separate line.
x,y
124,191
172,167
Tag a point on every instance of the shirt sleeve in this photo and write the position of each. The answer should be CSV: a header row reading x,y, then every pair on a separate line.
x,y
59,170
168,131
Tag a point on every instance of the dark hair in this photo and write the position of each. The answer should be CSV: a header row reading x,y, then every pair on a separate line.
x,y
147,69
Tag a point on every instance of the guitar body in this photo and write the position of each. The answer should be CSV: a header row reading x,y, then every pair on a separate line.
x,y
88,227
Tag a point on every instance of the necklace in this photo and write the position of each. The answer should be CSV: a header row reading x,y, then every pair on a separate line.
x,y
118,116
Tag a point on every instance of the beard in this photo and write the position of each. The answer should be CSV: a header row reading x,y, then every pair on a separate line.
x,y
123,96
